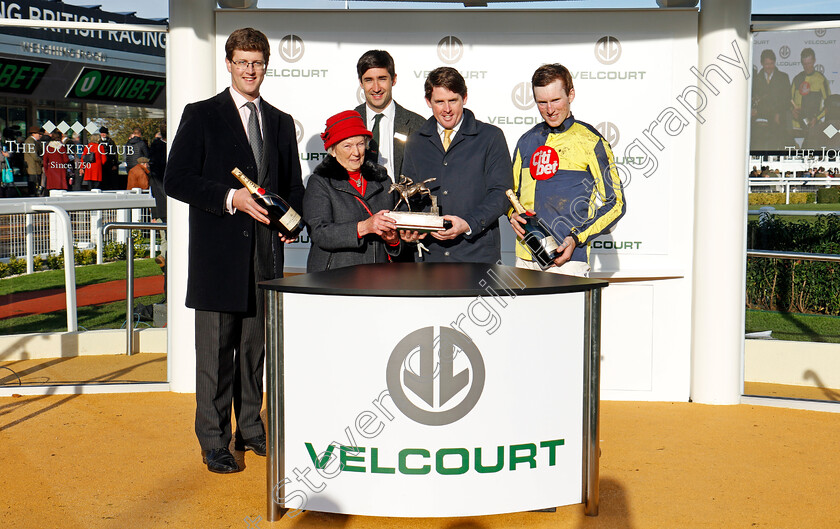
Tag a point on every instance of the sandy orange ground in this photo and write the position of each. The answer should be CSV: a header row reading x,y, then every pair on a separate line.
x,y
115,368
132,461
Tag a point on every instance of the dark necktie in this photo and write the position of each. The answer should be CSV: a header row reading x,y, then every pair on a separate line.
x,y
254,135
376,119
263,253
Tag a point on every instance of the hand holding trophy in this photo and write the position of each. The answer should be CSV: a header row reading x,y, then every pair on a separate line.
x,y
423,222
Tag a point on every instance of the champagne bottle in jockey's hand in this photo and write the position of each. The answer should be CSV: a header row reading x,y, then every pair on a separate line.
x,y
538,239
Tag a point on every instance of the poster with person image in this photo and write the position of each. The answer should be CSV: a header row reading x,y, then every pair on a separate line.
x,y
795,74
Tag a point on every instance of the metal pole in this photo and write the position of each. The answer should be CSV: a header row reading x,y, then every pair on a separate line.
x,y
30,244
592,400
96,219
129,293
275,448
129,280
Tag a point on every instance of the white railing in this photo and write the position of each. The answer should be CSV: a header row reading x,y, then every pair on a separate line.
x,y
779,185
26,231
770,210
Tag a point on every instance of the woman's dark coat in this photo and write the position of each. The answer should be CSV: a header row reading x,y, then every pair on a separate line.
x,y
332,209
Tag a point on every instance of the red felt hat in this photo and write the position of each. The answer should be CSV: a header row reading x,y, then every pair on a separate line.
x,y
342,126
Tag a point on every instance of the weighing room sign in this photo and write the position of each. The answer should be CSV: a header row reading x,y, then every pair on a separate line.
x,y
21,77
116,87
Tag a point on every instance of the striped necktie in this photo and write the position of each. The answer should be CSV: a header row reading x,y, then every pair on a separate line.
x,y
254,135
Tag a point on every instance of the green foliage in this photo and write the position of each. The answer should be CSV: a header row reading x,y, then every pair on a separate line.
x,y
828,195
803,198
120,129
772,199
14,267
85,257
55,261
113,251
790,285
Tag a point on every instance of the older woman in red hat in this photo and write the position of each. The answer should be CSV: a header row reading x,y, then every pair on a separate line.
x,y
346,203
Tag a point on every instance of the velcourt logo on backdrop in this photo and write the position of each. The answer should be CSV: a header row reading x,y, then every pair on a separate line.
x,y
784,52
292,49
608,50
435,380
522,98
298,131
450,49
610,132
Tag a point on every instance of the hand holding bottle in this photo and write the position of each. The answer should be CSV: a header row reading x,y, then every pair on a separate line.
x,y
242,201
564,251
516,223
266,207
536,237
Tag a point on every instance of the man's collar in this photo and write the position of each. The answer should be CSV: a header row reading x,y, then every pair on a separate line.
x,y
457,126
568,122
390,111
239,100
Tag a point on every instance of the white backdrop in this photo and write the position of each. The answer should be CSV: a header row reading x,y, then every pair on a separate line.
x,y
636,79
628,67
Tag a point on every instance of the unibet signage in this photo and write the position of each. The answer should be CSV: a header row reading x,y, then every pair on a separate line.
x,y
20,77
116,87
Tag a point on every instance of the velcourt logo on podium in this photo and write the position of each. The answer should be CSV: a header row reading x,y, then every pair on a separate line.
x,y
450,49
291,48
435,379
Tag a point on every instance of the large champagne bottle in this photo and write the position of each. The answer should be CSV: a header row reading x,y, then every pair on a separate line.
x,y
538,239
281,216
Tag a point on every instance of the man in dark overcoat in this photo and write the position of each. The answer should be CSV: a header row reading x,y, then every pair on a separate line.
x,y
471,165
231,247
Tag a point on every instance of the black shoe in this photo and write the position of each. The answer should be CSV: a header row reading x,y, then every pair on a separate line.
x,y
255,444
220,461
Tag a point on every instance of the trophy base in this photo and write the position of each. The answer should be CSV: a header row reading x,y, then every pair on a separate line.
x,y
418,221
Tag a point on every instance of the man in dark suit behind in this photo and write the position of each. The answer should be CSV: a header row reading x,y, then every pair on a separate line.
x,y
231,248
390,123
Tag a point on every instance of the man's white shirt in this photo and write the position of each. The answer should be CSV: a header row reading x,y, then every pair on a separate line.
x,y
386,136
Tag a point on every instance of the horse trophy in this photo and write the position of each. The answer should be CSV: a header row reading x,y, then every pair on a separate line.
x,y
416,220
